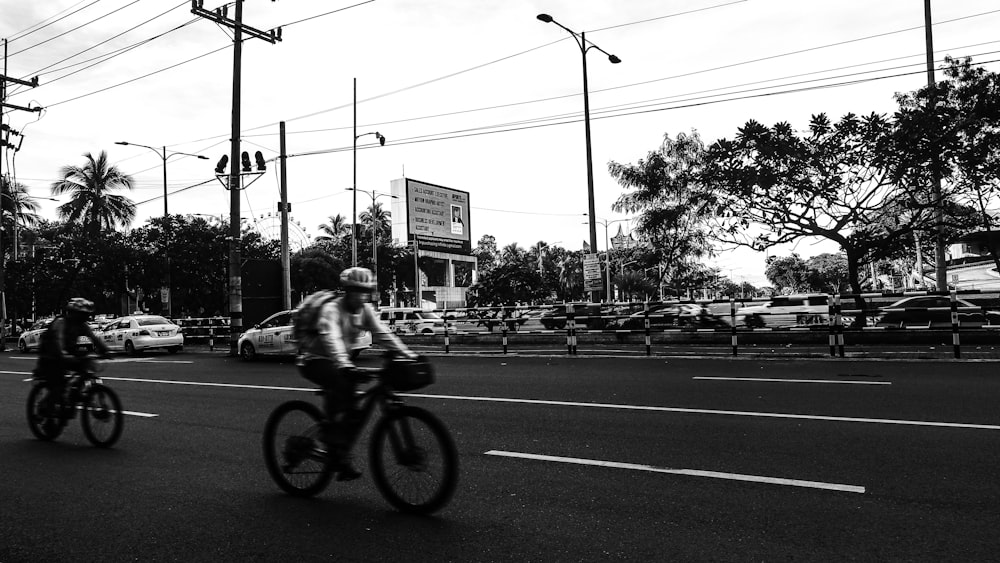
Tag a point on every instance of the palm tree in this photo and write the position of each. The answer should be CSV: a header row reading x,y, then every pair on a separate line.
x,y
91,205
22,207
335,230
383,219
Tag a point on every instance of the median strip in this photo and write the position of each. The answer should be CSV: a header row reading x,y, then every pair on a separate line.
x,y
689,472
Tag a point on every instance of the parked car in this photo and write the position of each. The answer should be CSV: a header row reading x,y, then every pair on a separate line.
x,y
136,333
672,315
933,311
411,320
30,338
786,311
274,336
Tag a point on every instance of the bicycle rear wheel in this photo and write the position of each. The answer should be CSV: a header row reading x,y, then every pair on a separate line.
x,y
292,449
102,416
413,460
45,426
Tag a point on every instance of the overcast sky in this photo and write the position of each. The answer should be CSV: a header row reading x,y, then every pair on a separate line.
x,y
476,95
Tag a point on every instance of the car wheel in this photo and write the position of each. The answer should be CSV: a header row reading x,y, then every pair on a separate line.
x,y
129,348
355,353
427,331
248,352
22,346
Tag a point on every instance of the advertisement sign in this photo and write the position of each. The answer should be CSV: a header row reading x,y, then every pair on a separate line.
x,y
437,217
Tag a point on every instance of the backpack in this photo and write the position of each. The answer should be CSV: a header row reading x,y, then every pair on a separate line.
x,y
306,318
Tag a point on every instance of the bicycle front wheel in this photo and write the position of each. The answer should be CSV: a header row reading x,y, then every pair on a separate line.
x,y
413,460
44,425
292,449
102,416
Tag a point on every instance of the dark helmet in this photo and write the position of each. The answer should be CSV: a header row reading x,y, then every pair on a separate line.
x,y
80,305
357,278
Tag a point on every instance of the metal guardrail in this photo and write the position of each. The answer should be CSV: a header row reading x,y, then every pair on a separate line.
x,y
592,320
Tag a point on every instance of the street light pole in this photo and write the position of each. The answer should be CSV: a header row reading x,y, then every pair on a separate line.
x,y
354,183
581,42
162,153
374,195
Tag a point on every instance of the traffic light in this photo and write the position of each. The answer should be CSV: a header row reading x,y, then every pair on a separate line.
x,y
220,168
261,165
245,159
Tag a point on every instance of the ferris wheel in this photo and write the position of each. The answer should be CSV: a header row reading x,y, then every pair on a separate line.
x,y
268,225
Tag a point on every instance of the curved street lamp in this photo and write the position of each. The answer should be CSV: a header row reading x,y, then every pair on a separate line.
x,y
162,153
354,183
374,195
581,42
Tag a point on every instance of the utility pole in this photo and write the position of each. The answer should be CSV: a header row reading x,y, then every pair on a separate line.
x,y
220,17
284,207
940,268
5,133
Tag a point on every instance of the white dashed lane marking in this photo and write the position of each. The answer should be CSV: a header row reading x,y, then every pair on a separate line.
x,y
689,472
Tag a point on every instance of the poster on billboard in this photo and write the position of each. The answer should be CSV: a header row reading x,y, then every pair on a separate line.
x,y
438,217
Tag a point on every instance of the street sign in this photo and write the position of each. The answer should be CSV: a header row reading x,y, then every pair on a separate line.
x,y
592,280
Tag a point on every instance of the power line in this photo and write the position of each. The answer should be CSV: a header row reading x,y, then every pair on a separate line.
x,y
25,32
112,38
771,57
534,123
138,77
76,28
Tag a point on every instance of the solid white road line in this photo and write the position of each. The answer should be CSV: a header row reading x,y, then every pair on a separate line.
x,y
778,380
689,472
715,411
202,384
932,424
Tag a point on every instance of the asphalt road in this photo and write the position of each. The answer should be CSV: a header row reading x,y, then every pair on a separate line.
x,y
563,459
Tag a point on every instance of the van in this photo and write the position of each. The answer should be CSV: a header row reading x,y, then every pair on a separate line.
x,y
412,320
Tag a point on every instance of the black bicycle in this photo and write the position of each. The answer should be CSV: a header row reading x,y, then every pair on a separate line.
x,y
99,407
412,457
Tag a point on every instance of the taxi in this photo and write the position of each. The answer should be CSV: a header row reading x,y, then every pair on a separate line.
x,y
30,338
275,336
136,333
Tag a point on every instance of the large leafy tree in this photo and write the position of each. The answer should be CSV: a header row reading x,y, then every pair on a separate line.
x,y
91,203
673,203
835,181
951,130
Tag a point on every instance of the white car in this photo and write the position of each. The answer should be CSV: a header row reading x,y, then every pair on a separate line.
x,y
275,336
410,320
30,338
136,333
786,311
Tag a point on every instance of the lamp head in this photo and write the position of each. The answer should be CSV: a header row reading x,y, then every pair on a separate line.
x,y
121,142
381,138
545,18
614,60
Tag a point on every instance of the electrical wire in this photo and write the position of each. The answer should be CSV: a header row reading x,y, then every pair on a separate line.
x,y
728,66
25,32
42,70
50,106
54,37
519,126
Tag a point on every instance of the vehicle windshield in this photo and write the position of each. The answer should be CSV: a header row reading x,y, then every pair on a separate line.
x,y
429,315
148,321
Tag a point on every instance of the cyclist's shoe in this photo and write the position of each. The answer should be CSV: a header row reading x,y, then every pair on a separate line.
x,y
344,467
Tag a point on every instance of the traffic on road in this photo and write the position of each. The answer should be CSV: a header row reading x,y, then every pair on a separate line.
x,y
561,458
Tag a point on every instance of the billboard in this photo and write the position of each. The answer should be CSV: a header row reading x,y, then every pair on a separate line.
x,y
437,217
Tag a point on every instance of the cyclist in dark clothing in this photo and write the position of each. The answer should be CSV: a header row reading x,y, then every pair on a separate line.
x,y
59,351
